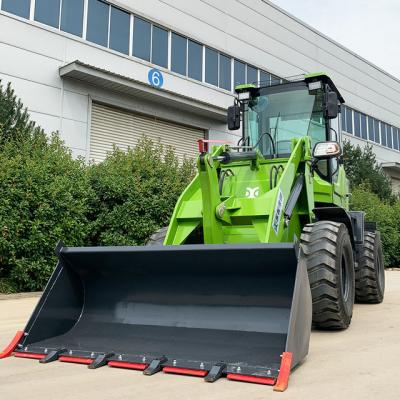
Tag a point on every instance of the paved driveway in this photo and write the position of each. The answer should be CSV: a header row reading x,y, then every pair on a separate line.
x,y
359,363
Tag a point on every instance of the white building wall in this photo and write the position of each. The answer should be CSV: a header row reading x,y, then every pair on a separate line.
x,y
253,31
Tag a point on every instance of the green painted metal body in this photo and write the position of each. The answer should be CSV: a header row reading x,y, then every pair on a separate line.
x,y
250,208
244,211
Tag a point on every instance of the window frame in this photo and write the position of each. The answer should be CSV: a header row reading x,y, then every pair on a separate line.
x,y
29,9
396,144
108,24
210,49
357,123
132,33
364,126
377,130
155,27
349,121
82,24
383,134
112,7
174,34
58,26
389,136
252,67
261,72
201,59
371,129
222,56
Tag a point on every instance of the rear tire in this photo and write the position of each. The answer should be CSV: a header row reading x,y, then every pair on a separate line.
x,y
370,270
329,257
157,238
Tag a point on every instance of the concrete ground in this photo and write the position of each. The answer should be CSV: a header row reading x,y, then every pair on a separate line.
x,y
359,363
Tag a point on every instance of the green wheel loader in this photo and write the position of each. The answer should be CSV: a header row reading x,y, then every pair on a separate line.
x,y
260,247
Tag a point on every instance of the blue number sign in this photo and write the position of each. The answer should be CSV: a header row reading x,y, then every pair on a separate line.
x,y
156,78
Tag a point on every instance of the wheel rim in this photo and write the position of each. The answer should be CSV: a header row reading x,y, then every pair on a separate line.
x,y
345,285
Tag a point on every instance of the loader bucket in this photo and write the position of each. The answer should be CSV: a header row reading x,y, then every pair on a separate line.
x,y
229,309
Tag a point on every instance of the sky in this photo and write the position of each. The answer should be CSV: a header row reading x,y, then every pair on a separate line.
x,y
369,28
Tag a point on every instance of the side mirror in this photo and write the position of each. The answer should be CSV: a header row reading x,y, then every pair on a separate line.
x,y
234,117
332,107
326,150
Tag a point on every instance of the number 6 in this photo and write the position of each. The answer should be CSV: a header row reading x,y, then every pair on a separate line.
x,y
155,78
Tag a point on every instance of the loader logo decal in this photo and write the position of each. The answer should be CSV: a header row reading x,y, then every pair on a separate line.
x,y
278,211
252,193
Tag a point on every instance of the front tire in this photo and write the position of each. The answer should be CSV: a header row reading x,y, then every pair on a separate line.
x,y
370,270
329,257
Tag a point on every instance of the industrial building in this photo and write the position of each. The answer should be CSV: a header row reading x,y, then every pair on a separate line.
x,y
104,73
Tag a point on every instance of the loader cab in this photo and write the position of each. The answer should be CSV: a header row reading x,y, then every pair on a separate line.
x,y
272,116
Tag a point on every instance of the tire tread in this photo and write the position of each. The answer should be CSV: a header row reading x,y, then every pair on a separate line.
x,y
319,246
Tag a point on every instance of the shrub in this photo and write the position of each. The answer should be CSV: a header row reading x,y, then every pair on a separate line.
x,y
135,192
387,217
43,199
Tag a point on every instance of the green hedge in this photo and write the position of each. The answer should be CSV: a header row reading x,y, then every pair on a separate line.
x,y
48,196
134,193
44,198
387,216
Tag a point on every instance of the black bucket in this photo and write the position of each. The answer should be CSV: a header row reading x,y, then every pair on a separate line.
x,y
190,306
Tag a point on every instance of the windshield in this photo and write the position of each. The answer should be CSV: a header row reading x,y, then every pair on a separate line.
x,y
280,116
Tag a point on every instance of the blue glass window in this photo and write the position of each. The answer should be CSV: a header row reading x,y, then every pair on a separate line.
x,y
159,48
383,134
97,22
349,120
240,73
195,60
395,138
252,75
48,12
389,136
178,54
357,125
265,78
72,16
17,7
275,80
343,117
398,139
376,130
364,126
119,30
211,66
371,129
141,39
225,72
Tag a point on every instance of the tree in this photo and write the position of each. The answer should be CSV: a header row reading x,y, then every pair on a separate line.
x,y
15,124
362,168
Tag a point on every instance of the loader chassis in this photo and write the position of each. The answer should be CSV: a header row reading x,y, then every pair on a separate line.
x,y
261,245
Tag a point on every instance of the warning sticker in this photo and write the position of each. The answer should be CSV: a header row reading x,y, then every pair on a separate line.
x,y
278,211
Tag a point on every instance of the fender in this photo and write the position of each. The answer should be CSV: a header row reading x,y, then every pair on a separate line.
x,y
354,221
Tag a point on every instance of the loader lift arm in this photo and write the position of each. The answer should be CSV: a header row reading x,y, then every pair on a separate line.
x,y
266,212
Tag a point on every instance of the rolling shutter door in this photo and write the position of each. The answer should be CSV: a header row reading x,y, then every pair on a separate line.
x,y
111,125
